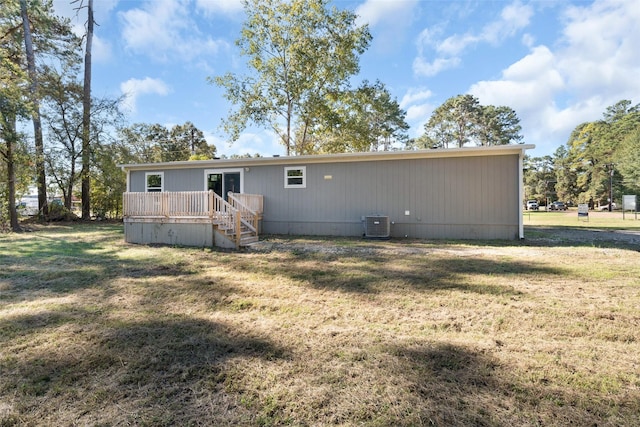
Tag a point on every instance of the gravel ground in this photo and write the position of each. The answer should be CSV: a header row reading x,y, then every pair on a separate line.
x,y
534,236
568,235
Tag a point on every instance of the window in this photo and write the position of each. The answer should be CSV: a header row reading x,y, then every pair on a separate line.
x,y
154,181
295,177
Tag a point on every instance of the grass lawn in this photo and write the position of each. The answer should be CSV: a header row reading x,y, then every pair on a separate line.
x,y
616,220
94,331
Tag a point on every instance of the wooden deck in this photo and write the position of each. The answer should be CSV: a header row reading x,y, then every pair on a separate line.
x,y
238,218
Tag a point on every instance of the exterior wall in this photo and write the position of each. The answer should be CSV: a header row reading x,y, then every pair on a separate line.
x,y
458,197
461,198
174,179
197,235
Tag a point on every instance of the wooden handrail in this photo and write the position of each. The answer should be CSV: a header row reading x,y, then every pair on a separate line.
x,y
253,202
249,217
167,204
229,215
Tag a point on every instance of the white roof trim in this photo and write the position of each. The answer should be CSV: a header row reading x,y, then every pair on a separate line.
x,y
497,150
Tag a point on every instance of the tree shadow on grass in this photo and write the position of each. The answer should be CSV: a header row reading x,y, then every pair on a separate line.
x,y
458,386
374,274
453,384
49,266
155,372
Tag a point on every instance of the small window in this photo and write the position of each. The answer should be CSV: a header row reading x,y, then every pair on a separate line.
x,y
295,177
154,182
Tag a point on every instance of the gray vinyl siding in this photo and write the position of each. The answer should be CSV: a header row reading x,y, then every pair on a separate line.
x,y
174,179
454,198
446,198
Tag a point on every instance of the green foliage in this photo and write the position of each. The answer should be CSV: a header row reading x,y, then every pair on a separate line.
x,y
364,119
462,121
627,159
48,41
107,186
188,141
301,54
539,179
152,143
602,154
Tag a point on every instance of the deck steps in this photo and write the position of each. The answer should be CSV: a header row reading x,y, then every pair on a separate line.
x,y
247,236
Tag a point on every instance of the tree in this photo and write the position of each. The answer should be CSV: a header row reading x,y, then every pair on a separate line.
x,y
498,126
565,176
364,119
64,125
539,178
31,36
139,143
108,185
35,109
86,116
462,121
151,143
596,150
627,160
301,52
14,104
187,141
64,119
455,122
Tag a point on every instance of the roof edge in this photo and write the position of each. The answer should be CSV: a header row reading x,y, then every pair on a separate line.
x,y
338,158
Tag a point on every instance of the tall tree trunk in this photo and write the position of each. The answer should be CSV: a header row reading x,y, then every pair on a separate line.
x,y
86,120
10,139
37,124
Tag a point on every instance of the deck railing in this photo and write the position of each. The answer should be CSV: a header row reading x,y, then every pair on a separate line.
x,y
249,217
242,209
167,204
253,202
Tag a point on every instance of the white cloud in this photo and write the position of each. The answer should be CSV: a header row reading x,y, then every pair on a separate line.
x,y
600,53
67,9
513,18
424,68
375,12
414,95
101,49
134,88
594,66
415,103
529,87
456,44
417,116
383,18
165,30
261,142
223,7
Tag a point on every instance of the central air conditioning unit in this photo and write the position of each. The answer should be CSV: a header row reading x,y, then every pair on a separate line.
x,y
377,227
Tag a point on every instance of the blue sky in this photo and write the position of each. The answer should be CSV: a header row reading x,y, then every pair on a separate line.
x,y
557,63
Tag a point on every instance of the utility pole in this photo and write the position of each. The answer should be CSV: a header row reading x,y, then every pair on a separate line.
x,y
610,187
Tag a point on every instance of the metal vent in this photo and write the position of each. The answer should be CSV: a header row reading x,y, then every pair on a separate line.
x,y
377,226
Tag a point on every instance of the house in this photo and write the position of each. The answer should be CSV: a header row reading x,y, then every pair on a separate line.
x,y
463,193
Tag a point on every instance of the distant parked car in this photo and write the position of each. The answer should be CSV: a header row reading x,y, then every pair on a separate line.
x,y
532,205
606,207
557,206
28,205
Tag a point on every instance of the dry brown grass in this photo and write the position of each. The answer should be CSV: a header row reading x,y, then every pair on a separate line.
x,y
316,332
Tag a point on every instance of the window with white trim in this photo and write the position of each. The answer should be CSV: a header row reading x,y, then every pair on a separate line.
x,y
154,182
295,177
